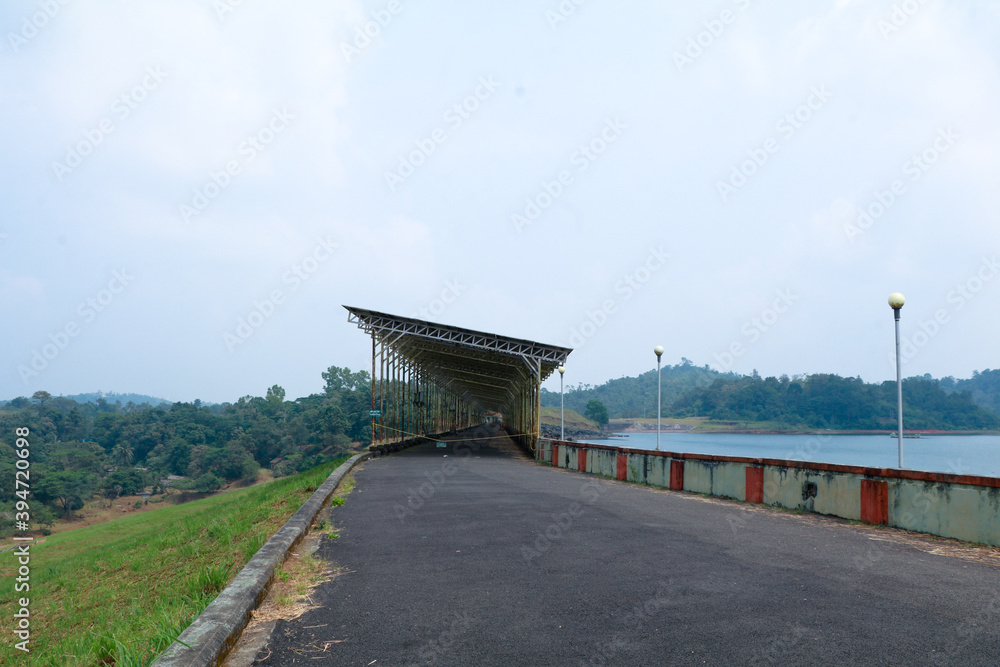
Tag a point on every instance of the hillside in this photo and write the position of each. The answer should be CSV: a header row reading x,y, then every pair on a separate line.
x,y
82,450
803,402
118,593
631,397
983,386
576,425
124,399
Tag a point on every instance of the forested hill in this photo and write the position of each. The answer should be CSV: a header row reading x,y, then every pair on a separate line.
x,y
631,397
815,401
831,401
81,449
114,399
984,387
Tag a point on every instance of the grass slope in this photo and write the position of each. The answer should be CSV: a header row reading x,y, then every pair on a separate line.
x,y
120,592
550,416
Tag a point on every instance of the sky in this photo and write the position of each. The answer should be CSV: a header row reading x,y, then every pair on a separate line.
x,y
191,190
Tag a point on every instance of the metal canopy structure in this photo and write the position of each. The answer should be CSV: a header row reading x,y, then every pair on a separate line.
x,y
429,377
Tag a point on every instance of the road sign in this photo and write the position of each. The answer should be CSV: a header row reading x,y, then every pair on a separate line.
x,y
374,413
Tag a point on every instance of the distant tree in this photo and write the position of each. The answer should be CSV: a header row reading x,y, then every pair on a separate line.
x,y
20,403
596,411
172,458
43,516
122,454
66,490
42,398
339,379
275,399
123,483
207,483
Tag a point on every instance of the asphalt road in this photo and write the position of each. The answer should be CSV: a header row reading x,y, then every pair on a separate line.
x,y
481,557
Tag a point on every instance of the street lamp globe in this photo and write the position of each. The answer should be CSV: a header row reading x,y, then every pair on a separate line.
x,y
562,369
896,300
658,350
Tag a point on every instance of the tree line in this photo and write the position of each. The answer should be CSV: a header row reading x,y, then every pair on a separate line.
x,y
79,450
813,401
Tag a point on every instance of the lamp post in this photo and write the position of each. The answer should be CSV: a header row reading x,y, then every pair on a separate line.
x,y
658,350
562,406
896,301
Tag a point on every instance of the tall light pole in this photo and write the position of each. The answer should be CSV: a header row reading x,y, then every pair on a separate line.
x,y
896,301
658,350
562,406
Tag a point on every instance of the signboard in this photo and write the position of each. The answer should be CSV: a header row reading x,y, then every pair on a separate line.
x,y
374,413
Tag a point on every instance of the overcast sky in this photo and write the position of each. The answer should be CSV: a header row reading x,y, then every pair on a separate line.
x,y
191,190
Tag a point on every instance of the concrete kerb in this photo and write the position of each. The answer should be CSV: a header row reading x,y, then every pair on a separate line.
x,y
214,633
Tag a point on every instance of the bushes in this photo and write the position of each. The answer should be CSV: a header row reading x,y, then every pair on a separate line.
x,y
126,482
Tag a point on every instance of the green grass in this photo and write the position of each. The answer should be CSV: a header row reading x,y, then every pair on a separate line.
x,y
651,421
120,592
550,417
710,426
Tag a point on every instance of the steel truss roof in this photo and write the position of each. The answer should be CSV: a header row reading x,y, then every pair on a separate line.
x,y
486,369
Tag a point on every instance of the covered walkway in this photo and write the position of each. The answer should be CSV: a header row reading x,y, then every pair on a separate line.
x,y
430,378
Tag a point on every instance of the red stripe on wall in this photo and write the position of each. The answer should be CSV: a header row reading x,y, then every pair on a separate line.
x,y
555,454
875,502
621,466
677,475
581,460
755,484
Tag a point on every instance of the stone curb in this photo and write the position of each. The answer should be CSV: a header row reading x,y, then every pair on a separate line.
x,y
214,633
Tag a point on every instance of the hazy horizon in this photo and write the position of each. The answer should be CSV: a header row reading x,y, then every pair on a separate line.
x,y
191,191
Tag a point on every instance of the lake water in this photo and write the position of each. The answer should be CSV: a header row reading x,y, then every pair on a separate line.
x,y
957,454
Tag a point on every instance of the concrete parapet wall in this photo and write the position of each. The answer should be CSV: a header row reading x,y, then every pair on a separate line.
x,y
214,633
964,507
